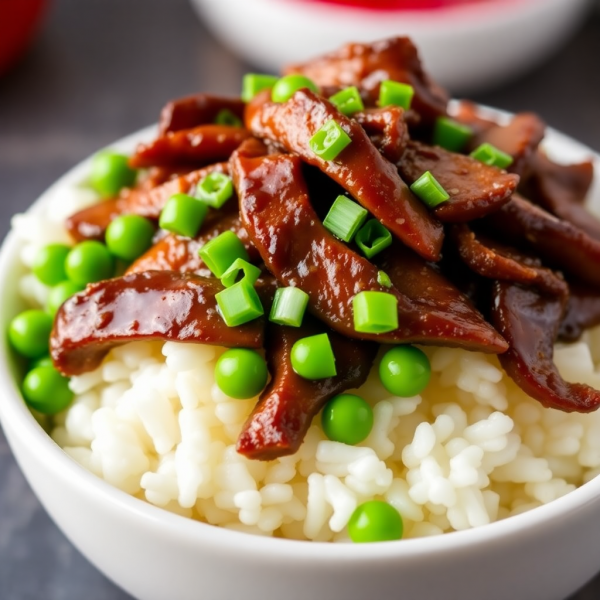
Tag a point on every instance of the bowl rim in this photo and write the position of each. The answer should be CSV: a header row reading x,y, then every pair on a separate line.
x,y
15,417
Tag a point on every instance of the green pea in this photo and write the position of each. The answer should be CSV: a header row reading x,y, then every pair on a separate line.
x,y
287,86
29,333
45,361
49,263
88,262
46,390
313,358
241,373
405,371
60,293
375,521
347,418
110,172
129,236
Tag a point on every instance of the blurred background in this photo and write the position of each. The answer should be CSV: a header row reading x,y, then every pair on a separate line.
x,y
76,75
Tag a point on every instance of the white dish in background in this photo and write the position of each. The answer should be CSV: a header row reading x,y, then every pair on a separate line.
x,y
466,48
544,554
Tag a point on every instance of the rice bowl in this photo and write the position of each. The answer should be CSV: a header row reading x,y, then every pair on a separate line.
x,y
473,449
94,516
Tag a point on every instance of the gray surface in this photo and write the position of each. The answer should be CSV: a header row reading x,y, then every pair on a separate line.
x,y
102,69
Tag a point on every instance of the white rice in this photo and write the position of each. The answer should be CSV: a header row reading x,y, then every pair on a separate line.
x,y
471,450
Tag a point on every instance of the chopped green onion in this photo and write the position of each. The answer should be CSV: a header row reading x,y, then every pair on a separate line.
x,y
312,357
226,117
287,86
49,263
239,304
348,101
215,189
254,83
129,236
396,93
250,273
289,306
451,134
221,252
372,238
345,218
183,215
384,279
375,312
490,155
428,189
329,141
241,373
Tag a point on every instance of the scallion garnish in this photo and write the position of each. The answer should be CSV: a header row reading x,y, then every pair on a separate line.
x,y
492,156
215,189
252,83
329,141
384,279
250,273
451,134
289,306
221,252
348,101
396,94
239,304
372,238
183,215
345,218
226,117
428,189
375,312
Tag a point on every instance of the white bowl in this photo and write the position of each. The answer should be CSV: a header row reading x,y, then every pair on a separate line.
x,y
544,554
466,48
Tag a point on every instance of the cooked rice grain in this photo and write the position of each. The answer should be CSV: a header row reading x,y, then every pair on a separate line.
x,y
473,449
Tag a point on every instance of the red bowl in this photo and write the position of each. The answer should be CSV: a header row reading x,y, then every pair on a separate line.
x,y
18,21
398,4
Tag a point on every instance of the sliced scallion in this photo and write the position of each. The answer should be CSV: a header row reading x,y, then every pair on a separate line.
x,y
239,266
345,218
215,189
375,312
384,279
428,189
451,134
289,306
227,117
348,101
254,83
183,215
329,141
396,94
372,238
239,304
492,156
221,252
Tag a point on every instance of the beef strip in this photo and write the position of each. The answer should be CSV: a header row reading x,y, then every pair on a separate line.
x,y
154,305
